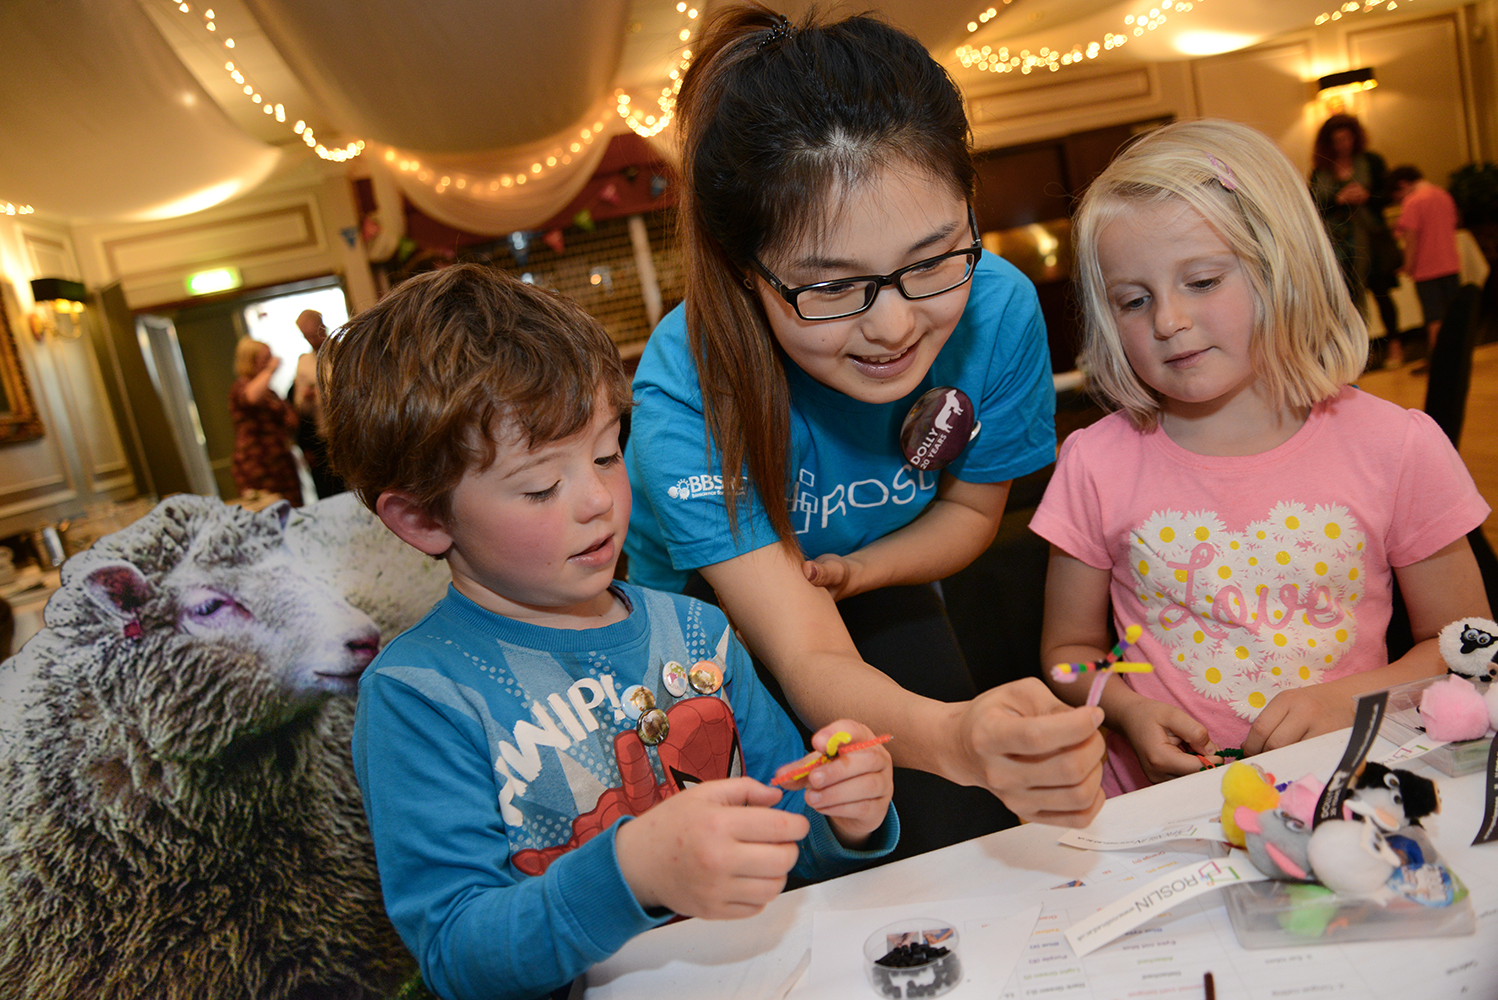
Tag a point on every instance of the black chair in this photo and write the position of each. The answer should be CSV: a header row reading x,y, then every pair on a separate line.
x,y
1451,363
1446,402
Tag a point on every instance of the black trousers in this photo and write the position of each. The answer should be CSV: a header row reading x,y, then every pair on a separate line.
x,y
904,632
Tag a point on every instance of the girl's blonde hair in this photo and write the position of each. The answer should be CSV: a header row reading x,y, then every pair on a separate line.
x,y
1309,340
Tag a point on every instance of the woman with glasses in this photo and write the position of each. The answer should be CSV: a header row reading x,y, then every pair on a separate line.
x,y
834,277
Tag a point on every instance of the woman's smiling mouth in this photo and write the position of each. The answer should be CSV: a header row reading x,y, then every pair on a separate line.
x,y
885,365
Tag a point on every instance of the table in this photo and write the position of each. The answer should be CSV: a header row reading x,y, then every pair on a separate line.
x,y
761,958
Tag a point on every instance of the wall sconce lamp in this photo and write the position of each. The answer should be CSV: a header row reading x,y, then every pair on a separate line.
x,y
1336,91
57,297
1357,79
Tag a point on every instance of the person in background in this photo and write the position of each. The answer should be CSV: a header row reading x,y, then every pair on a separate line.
x,y
303,396
834,277
1245,505
263,425
1350,185
1427,224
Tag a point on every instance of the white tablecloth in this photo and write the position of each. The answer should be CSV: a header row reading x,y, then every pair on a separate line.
x,y
762,957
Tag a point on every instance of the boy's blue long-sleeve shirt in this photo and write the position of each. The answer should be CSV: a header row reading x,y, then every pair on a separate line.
x,y
479,740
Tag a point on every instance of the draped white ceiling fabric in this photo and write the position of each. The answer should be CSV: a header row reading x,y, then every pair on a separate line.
x,y
450,76
483,205
125,110
102,121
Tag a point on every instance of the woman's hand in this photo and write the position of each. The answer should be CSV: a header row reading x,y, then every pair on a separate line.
x,y
1352,193
1041,757
833,573
1161,735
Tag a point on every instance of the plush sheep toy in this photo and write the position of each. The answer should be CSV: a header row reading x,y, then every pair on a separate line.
x,y
1470,648
179,817
1392,798
1454,709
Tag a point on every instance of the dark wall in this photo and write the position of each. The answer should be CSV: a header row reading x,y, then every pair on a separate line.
x,y
1038,183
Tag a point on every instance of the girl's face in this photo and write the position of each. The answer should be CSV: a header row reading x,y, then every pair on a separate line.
x,y
1183,305
899,216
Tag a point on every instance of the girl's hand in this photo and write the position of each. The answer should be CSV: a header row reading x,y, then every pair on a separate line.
x,y
716,850
1044,759
834,573
1158,732
1298,714
851,790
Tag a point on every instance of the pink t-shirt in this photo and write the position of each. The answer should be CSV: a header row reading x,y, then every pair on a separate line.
x,y
1254,574
1427,221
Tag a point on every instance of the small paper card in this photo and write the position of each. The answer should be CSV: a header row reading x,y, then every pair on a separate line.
x,y
1417,747
1176,886
1196,829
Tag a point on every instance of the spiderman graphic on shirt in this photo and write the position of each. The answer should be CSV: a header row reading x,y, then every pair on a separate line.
x,y
702,744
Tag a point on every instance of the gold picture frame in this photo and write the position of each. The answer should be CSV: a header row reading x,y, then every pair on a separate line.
x,y
19,417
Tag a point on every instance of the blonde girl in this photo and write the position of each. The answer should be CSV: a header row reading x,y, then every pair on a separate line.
x,y
1245,505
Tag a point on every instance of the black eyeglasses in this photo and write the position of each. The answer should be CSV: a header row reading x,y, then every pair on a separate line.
x,y
844,297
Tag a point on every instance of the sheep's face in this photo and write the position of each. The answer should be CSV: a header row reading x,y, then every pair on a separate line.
x,y
232,639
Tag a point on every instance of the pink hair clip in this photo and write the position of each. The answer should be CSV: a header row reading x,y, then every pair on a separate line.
x,y
1224,174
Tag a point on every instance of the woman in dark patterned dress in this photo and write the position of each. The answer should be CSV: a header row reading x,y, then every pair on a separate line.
x,y
263,425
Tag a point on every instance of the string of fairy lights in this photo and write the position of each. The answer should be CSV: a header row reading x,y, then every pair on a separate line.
x,y
638,115
1000,59
337,154
647,116
647,123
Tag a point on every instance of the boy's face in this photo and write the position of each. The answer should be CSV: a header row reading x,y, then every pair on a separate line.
x,y
536,535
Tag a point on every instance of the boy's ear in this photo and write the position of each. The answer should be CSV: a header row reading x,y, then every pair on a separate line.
x,y
412,523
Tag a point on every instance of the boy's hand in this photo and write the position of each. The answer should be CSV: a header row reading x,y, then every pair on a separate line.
x,y
1164,738
1297,714
1044,759
851,790
716,850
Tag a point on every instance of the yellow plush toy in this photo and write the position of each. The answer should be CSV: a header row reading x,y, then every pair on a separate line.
x,y
1245,785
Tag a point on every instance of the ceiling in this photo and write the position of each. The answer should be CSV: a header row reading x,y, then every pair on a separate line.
x,y
131,109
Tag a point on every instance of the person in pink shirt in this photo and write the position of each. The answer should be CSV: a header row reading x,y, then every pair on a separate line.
x,y
1427,224
1245,506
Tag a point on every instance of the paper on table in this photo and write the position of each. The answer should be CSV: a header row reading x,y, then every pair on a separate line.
x,y
1166,958
991,933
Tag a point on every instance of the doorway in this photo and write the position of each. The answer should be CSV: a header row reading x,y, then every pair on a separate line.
x,y
208,333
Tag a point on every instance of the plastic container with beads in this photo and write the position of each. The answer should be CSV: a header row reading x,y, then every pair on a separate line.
x,y
913,958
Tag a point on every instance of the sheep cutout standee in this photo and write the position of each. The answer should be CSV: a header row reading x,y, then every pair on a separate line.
x,y
181,818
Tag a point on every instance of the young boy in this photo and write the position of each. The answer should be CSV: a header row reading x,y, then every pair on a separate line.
x,y
510,743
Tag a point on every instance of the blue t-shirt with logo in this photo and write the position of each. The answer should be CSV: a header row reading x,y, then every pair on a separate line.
x,y
849,481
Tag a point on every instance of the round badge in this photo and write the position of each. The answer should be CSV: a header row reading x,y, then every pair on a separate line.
x,y
705,677
674,676
938,427
653,727
637,700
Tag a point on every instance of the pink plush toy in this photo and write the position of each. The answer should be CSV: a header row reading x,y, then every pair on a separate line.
x,y
1298,800
1451,709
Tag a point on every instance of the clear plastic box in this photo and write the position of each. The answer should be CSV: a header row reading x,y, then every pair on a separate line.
x,y
1280,914
1402,724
